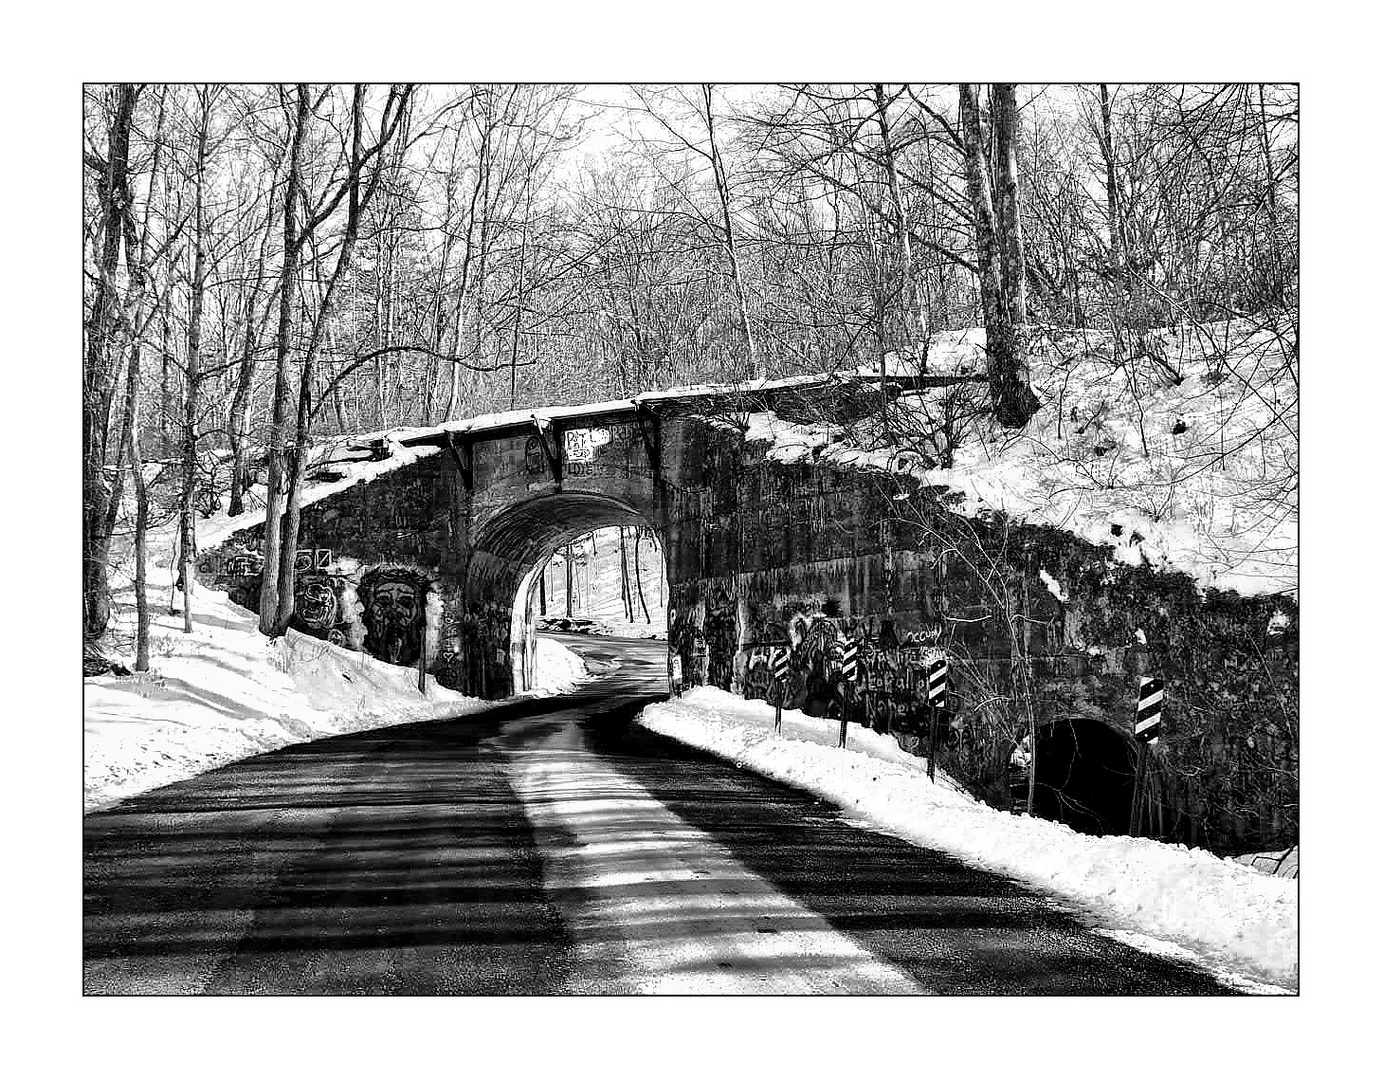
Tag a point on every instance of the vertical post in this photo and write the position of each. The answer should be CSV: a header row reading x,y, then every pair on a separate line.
x,y
422,652
931,742
937,672
850,673
1147,726
1136,810
778,669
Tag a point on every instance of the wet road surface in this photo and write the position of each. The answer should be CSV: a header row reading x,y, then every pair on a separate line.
x,y
553,847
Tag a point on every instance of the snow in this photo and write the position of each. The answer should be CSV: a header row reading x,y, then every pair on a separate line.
x,y
1235,921
680,394
1214,495
790,442
1192,503
1053,586
225,692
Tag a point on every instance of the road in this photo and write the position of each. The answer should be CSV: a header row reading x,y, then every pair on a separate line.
x,y
554,847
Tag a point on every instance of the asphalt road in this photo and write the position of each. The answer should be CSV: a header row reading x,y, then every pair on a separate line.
x,y
553,847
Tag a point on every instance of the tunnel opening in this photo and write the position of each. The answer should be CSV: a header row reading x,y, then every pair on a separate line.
x,y
1084,778
523,558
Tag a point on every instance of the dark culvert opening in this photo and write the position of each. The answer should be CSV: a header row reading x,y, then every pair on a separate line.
x,y
1085,773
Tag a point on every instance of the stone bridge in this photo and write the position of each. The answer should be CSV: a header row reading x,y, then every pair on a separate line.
x,y
435,559
756,549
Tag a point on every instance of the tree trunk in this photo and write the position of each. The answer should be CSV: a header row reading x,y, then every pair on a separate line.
x,y
638,576
519,299
626,598
568,581
240,405
358,201
916,310
723,191
136,256
1013,400
165,412
99,375
279,433
1011,258
1119,269
187,521
454,393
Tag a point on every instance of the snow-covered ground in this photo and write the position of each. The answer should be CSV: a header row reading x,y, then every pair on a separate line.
x,y
1196,475
225,692
1159,897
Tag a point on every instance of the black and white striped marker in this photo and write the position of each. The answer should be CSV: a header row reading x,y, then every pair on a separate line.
x,y
937,671
780,664
849,663
1147,725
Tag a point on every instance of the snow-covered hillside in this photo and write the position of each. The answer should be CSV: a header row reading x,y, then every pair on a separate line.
x,y
1185,458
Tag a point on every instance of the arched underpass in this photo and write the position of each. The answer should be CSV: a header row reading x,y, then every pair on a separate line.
x,y
1085,773
514,547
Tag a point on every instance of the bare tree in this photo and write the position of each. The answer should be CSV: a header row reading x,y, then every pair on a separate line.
x,y
1014,402
356,189
101,369
187,526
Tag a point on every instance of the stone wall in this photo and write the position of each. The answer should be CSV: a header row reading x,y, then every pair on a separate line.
x,y
762,554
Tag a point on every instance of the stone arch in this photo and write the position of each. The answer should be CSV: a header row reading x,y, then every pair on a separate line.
x,y
497,590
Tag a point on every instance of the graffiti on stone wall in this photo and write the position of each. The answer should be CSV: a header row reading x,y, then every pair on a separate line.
x,y
394,607
685,639
534,460
721,629
758,673
306,560
477,651
890,693
579,446
320,607
818,646
237,569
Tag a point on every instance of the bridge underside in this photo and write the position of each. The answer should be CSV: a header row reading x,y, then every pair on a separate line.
x,y
509,554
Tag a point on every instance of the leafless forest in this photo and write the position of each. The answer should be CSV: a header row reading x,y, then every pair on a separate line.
x,y
267,265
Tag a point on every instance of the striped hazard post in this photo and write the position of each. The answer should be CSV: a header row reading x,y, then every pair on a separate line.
x,y
849,661
1147,726
850,671
937,672
778,666
1148,723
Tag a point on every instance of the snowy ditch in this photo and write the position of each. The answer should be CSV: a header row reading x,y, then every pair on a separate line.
x,y
1165,898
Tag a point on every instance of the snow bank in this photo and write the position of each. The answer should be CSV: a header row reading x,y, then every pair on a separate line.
x,y
224,692
556,669
1231,917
